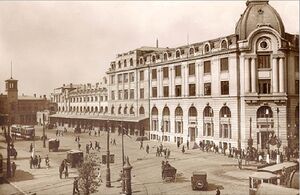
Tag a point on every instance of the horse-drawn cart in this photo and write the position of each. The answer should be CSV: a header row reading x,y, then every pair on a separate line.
x,y
53,145
168,172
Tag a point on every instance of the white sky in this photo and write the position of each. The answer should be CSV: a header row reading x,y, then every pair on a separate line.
x,y
52,43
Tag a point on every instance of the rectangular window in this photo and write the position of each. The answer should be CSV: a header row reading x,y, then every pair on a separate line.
x,y
297,87
154,91
263,61
178,71
207,88
165,72
113,95
112,79
142,93
126,94
207,67
264,86
131,93
192,69
224,64
224,87
141,75
120,95
154,74
132,77
296,63
125,78
120,78
226,134
166,91
178,90
192,90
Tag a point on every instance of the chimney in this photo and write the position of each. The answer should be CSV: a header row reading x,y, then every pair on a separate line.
x,y
34,95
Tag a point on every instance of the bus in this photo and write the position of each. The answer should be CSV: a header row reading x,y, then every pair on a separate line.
x,y
23,131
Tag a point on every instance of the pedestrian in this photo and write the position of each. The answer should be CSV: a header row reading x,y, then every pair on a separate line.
x,y
61,169
141,145
31,162
87,148
114,142
157,151
76,139
187,144
79,145
35,161
147,149
66,170
240,162
75,186
39,161
178,144
13,168
47,161
168,153
99,132
91,145
165,153
218,191
31,147
182,150
56,132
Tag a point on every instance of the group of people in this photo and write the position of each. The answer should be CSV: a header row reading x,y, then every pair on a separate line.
x,y
35,162
160,151
63,168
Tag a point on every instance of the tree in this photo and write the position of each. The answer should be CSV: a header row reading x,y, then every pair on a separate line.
x,y
88,181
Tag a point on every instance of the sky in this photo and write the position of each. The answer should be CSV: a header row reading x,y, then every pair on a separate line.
x,y
51,43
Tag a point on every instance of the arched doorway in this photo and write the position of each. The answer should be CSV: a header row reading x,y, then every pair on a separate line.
x,y
193,133
154,121
265,126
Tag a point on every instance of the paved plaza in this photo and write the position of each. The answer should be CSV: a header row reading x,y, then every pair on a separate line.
x,y
222,172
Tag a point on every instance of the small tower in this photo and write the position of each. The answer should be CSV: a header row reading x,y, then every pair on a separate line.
x,y
11,89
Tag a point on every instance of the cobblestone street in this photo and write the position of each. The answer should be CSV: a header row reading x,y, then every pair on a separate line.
x,y
146,173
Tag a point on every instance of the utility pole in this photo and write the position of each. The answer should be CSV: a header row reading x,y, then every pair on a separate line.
x,y
44,138
108,183
8,139
123,160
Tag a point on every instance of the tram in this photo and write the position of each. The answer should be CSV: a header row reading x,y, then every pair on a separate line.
x,y
23,131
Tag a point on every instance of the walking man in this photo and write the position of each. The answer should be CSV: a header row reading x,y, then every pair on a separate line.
x,y
31,147
13,168
75,186
141,145
147,149
39,162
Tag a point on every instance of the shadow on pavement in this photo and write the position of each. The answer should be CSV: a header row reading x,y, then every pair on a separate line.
x,y
21,175
181,179
213,187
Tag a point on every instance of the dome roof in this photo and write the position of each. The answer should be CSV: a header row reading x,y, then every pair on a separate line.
x,y
258,12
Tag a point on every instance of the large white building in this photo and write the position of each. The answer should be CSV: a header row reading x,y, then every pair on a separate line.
x,y
223,91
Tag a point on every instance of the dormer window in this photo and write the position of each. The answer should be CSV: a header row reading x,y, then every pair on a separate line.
x,y
224,44
206,48
192,51
177,54
165,56
119,64
153,59
131,62
141,61
125,63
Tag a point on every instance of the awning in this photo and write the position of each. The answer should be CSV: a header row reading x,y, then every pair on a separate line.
x,y
101,117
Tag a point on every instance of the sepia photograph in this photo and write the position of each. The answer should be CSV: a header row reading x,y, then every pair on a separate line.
x,y
149,97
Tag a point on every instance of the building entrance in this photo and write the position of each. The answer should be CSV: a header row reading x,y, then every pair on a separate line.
x,y
192,133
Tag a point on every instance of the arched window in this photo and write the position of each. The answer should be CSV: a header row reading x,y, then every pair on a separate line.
x,y
192,111
165,56
119,64
178,111
80,109
131,110
92,99
192,51
177,54
96,98
59,109
208,112
206,48
96,109
120,110
153,59
154,111
88,109
101,109
131,62
63,108
112,110
125,63
77,109
225,112
264,112
166,111
106,109
141,61
92,109
125,110
142,110
224,44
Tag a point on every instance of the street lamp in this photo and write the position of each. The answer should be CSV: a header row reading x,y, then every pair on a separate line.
x,y
278,140
8,139
44,139
108,183
268,154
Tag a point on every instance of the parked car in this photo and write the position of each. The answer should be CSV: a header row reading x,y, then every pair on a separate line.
x,y
199,180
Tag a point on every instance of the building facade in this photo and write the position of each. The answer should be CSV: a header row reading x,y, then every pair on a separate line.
x,y
21,109
80,105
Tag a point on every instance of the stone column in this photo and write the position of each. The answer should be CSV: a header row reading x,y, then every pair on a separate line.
x,y
281,75
253,76
183,80
186,75
171,81
247,77
158,85
197,66
275,75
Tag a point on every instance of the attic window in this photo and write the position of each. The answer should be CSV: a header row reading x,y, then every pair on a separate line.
x,y
260,11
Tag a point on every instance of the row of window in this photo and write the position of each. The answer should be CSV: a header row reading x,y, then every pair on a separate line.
x,y
192,90
88,99
126,95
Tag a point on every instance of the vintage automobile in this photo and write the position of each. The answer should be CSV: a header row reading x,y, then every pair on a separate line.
x,y
13,152
168,172
271,189
258,178
199,180
75,158
53,144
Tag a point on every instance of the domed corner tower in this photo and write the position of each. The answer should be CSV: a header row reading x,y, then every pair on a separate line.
x,y
268,76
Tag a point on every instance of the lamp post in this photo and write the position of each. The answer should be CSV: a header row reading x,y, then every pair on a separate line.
x,y
108,183
44,138
8,139
268,151
278,140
